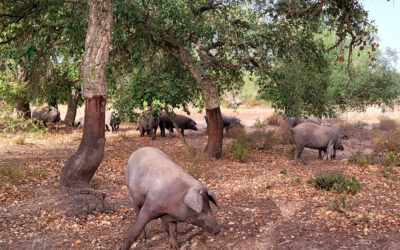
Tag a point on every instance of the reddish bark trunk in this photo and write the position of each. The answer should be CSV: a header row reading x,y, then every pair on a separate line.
x,y
71,111
215,132
81,167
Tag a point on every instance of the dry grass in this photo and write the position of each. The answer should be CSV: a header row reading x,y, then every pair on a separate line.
x,y
387,124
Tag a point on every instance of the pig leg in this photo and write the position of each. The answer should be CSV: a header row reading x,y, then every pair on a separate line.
x,y
154,133
162,129
146,214
320,154
171,229
329,150
137,212
297,154
183,131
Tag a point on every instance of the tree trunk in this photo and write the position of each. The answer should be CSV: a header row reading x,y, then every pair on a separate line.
x,y
82,165
71,110
209,94
215,132
80,168
23,107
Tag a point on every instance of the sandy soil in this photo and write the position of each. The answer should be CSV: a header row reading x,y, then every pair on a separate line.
x,y
266,202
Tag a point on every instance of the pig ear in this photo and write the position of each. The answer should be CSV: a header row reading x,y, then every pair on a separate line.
x,y
194,200
212,197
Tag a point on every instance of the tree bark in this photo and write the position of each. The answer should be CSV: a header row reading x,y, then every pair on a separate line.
x,y
23,107
80,168
82,165
209,93
71,110
215,132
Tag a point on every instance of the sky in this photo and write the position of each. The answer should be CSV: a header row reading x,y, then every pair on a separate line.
x,y
387,19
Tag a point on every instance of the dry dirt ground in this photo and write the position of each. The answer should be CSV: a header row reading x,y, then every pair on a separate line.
x,y
266,202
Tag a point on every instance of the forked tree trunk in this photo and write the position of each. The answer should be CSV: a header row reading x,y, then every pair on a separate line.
x,y
23,107
71,110
209,93
80,168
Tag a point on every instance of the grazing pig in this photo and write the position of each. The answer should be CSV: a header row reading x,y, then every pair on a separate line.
x,y
79,123
182,121
161,189
148,123
115,121
228,122
47,115
110,114
311,135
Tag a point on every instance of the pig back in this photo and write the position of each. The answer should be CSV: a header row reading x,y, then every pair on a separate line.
x,y
313,135
150,170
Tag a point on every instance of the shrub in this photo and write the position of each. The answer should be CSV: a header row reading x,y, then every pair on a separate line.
x,y
361,159
290,153
270,140
362,219
10,172
387,124
387,147
236,130
338,183
259,123
241,150
19,140
285,134
37,171
10,123
275,119
351,128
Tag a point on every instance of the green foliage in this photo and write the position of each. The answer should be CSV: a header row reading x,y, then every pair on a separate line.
x,y
387,147
363,160
338,183
240,150
10,88
10,172
270,139
37,171
156,87
11,124
290,153
362,219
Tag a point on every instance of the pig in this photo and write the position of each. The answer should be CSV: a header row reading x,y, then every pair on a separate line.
x,y
47,115
148,123
115,121
79,123
182,121
311,135
159,188
293,122
111,121
108,119
228,122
